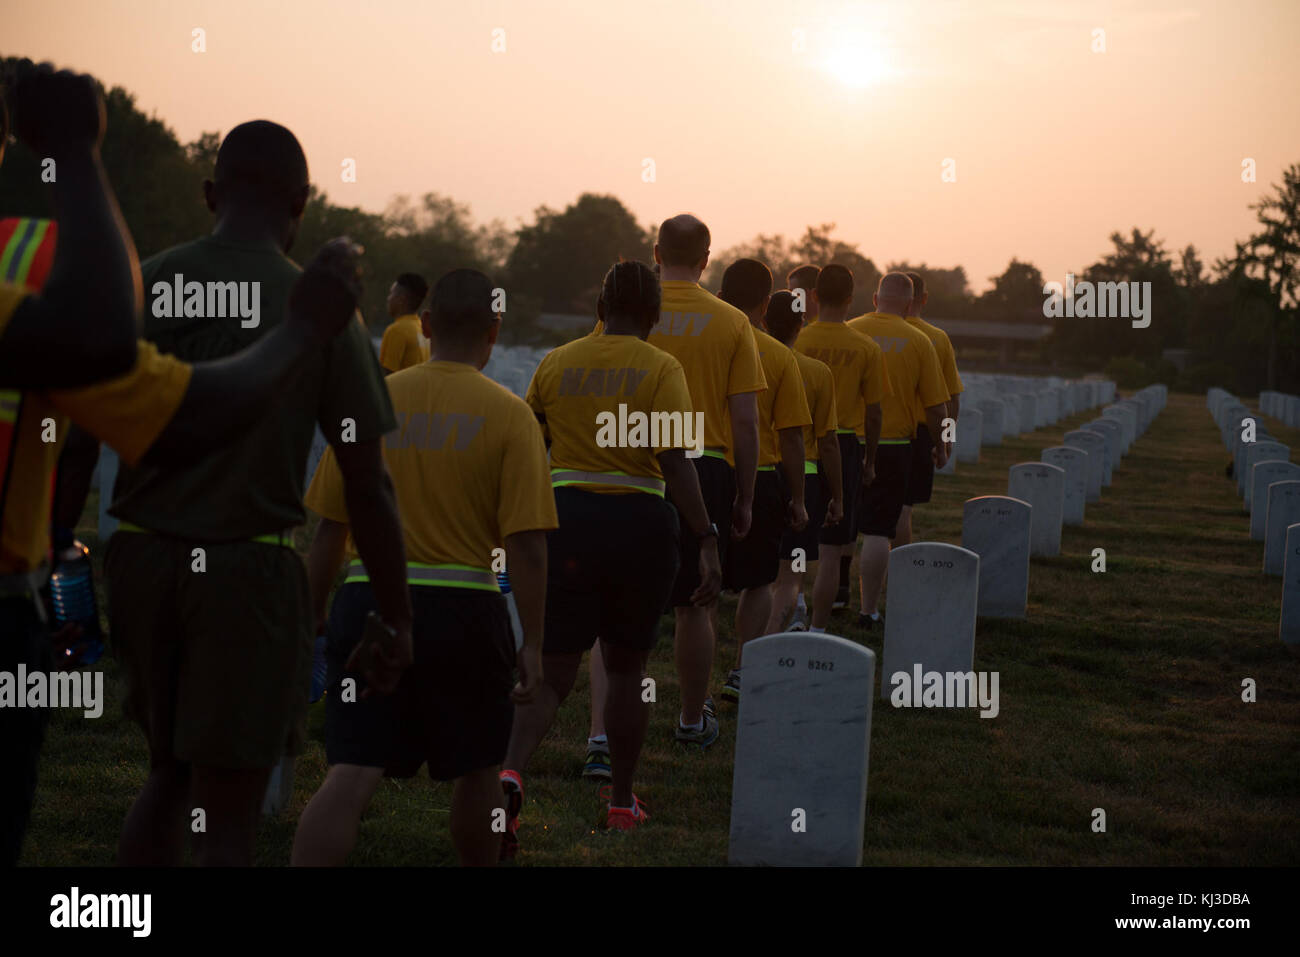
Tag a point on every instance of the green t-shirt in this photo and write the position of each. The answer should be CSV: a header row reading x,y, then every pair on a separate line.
x,y
255,485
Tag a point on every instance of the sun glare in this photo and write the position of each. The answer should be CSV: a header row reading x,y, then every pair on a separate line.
x,y
858,62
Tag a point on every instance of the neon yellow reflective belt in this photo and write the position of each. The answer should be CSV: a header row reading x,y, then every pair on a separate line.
x,y
642,483
284,538
845,432
440,576
767,468
716,454
810,467
894,442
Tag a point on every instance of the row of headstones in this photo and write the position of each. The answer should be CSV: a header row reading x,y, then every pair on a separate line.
x,y
1268,482
1282,406
999,407
803,732
1269,485
1042,497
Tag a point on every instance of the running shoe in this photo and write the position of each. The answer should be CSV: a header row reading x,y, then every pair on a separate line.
x,y
513,786
597,761
706,735
799,622
623,818
731,687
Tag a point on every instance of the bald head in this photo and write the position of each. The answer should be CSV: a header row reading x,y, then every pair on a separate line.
x,y
262,163
894,294
683,243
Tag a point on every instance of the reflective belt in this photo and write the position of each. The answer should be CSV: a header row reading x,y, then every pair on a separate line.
x,y
716,453
284,538
767,468
810,467
642,483
845,432
894,442
441,576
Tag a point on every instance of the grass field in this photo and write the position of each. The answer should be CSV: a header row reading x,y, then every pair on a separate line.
x,y
1119,691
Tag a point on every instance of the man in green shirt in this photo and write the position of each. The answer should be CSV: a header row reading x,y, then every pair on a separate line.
x,y
209,605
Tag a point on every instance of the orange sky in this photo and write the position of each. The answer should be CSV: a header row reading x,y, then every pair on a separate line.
x,y
760,116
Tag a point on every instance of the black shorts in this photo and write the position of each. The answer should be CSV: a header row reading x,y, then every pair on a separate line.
x,y
845,532
610,570
753,561
23,641
452,707
880,504
815,496
718,486
920,481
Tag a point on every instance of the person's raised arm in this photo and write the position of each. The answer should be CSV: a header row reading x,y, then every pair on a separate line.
x,y
82,326
377,530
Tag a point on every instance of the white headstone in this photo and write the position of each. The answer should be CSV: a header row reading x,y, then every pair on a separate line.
x,y
1283,512
1262,476
1094,443
1028,412
996,528
970,435
1109,429
1074,462
1290,623
1258,452
994,421
930,616
1043,487
803,736
1013,424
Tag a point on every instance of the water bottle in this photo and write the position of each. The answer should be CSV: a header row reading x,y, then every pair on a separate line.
x,y
72,600
516,627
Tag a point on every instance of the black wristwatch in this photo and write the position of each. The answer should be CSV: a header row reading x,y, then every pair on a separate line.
x,y
712,530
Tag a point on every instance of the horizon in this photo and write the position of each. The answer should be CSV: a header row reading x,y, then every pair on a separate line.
x,y
525,133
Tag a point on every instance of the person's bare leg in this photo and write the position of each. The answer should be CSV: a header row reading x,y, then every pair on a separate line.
x,y
158,823
871,569
599,691
626,717
752,612
534,719
327,831
903,531
785,591
693,651
232,802
826,583
475,799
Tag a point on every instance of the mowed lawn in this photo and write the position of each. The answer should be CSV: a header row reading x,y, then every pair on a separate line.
x,y
1120,691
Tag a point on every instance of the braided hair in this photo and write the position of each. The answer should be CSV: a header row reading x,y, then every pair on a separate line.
x,y
630,290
